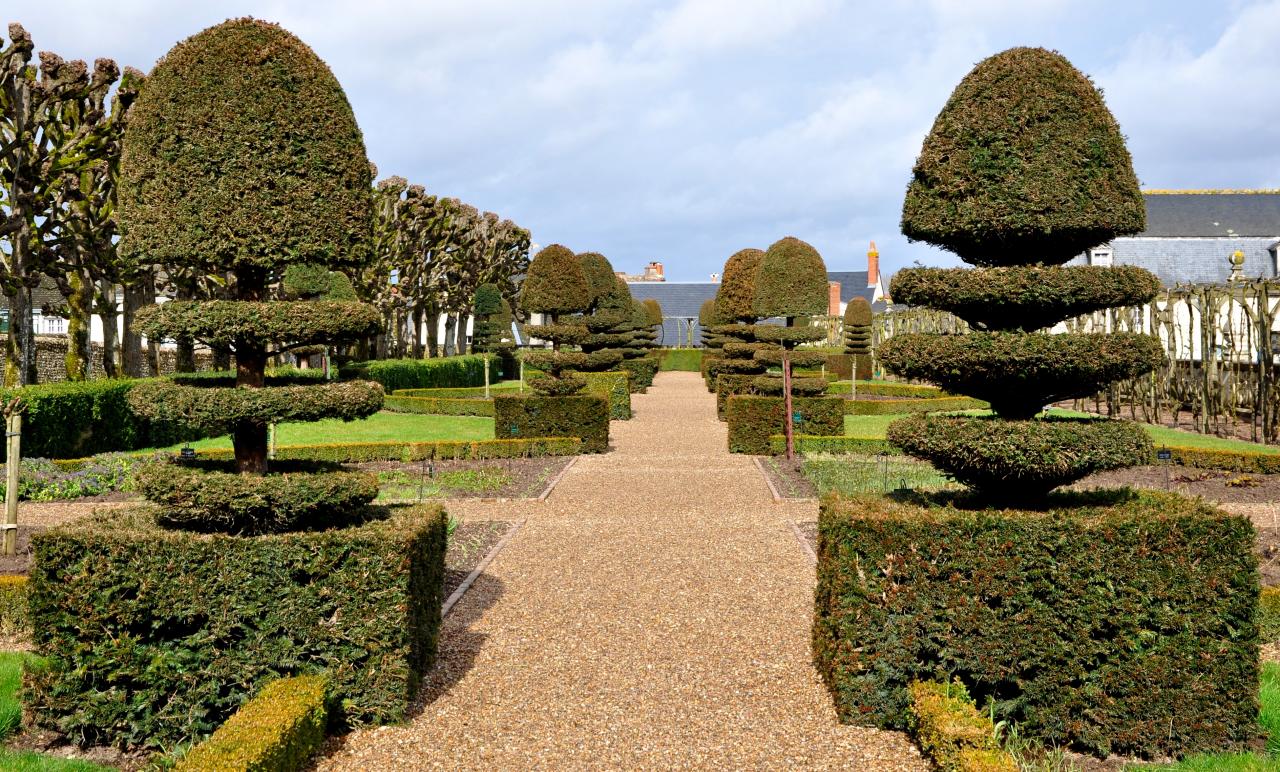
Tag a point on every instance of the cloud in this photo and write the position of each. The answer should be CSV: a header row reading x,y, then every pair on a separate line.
x,y
704,26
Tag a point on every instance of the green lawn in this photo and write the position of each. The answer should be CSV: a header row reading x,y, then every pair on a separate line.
x,y
1268,717
853,473
874,427
11,716
380,427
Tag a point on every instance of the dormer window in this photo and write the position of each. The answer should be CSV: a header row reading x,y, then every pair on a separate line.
x,y
1100,256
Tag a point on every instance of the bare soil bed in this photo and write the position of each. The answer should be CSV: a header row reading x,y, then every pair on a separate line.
x,y
787,478
1213,485
468,545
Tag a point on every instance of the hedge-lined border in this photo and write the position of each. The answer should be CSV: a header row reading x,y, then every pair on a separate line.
x,y
13,605
438,406
908,405
888,389
279,729
952,732
356,452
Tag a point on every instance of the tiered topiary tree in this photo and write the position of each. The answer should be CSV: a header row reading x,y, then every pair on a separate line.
x,y
791,283
1024,169
606,313
857,338
555,286
734,336
488,335
708,317
277,179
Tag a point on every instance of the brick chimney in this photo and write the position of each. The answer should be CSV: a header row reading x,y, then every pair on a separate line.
x,y
653,272
873,266
833,298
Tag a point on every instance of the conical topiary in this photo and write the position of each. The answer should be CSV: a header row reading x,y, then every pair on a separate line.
x,y
555,285
1025,164
857,339
1024,167
243,157
488,334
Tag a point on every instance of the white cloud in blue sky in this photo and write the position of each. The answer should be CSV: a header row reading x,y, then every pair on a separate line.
x,y
682,131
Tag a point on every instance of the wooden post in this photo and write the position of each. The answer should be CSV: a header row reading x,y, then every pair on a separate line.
x,y
486,375
786,404
13,421
522,373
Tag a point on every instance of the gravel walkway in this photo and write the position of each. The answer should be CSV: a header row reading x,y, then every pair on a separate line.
x,y
652,613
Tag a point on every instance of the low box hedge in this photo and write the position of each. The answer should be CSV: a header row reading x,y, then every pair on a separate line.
x,y
1225,460
710,369
349,453
154,637
681,360
1269,616
582,416
1116,622
279,730
440,372
731,385
615,387
810,443
900,406
753,420
642,370
952,732
13,605
439,406
468,392
889,389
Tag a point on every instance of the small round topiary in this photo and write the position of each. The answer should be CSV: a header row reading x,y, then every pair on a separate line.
x,y
601,280
792,281
243,154
555,283
1025,164
857,327
737,291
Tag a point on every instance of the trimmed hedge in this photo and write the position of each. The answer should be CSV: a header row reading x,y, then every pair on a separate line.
x,y
153,637
348,453
218,411
952,732
810,443
888,389
13,605
278,730
75,419
896,406
615,387
681,359
753,420
438,406
582,416
1269,615
729,385
444,372
1226,460
642,370
469,392
1114,622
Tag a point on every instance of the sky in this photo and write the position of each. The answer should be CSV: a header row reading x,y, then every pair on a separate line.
x,y
684,130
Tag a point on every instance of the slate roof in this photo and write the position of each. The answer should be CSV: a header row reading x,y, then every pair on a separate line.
x,y
681,300
1205,215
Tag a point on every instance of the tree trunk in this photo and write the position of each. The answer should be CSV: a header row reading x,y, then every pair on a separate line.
x,y
433,334
19,344
185,356
462,330
79,318
250,437
107,312
417,332
449,322
139,293
221,358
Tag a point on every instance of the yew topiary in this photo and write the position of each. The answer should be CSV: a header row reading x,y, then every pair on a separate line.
x,y
857,328
598,272
792,281
555,284
244,158
488,333
1024,169
735,298
1025,164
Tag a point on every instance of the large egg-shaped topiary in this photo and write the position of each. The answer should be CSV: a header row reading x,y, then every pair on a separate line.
x,y
792,281
243,153
1025,164
555,283
737,290
601,280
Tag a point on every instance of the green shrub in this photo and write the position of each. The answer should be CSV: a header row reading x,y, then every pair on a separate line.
x,y
681,359
1115,622
444,372
888,389
736,294
896,406
1024,163
791,281
952,732
469,392
154,637
583,416
1269,617
730,385
616,388
280,730
1226,460
555,284
438,406
642,370
343,453
753,420
13,605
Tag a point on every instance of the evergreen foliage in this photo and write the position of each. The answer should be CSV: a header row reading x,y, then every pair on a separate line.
x,y
857,327
791,282
555,284
736,295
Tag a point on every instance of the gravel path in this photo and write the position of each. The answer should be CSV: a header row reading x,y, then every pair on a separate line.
x,y
653,612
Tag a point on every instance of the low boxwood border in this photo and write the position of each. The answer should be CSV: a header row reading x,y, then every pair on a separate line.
x,y
889,389
438,406
346,453
280,729
909,405
952,732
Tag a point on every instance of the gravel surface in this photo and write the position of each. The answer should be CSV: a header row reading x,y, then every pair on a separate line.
x,y
653,612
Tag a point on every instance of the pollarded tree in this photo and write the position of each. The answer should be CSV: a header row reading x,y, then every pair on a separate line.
x,y
1053,179
280,179
555,286
791,283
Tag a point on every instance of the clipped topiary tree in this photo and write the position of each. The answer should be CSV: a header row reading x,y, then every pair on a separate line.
x,y
791,282
217,190
555,286
857,337
1053,179
487,334
735,368
735,298
708,317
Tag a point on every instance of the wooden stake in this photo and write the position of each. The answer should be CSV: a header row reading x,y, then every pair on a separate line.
x,y
12,462
786,403
486,375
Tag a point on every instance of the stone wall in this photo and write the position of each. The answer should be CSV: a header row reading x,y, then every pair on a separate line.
x,y
51,365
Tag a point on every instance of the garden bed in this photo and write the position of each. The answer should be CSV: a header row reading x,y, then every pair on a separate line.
x,y
510,478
